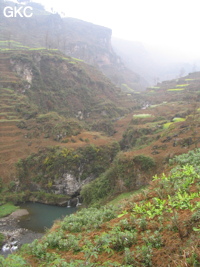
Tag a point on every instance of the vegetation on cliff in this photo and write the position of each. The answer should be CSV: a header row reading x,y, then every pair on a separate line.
x,y
51,164
125,174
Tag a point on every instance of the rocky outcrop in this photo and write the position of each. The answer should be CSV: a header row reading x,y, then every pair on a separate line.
x,y
92,43
23,70
23,66
68,185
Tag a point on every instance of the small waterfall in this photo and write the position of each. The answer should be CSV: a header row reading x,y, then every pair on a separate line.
x,y
68,204
78,202
10,246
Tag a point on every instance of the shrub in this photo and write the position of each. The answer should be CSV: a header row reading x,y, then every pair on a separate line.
x,y
134,137
129,257
84,220
153,240
145,162
121,176
13,261
121,240
105,126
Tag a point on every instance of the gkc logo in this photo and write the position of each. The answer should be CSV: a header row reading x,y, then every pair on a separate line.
x,y
13,12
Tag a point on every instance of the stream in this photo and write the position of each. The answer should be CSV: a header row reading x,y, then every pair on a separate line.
x,y
26,228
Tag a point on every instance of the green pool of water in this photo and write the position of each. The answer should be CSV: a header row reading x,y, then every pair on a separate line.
x,y
42,216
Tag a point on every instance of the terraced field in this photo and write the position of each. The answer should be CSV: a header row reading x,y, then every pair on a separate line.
x,y
10,134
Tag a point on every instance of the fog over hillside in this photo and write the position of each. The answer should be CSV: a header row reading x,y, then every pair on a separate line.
x,y
163,35
154,63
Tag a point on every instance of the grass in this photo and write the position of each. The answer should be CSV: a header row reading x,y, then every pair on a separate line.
x,y
127,87
125,195
178,119
157,105
141,116
155,87
175,89
12,45
7,209
10,120
7,90
77,59
6,113
49,117
167,125
37,49
120,198
182,85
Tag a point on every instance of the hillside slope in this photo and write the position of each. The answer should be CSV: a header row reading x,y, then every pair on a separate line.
x,y
158,226
165,123
47,97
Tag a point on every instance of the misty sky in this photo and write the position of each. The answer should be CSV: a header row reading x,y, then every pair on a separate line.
x,y
164,23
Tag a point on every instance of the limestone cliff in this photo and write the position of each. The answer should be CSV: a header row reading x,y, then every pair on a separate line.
x,y
92,43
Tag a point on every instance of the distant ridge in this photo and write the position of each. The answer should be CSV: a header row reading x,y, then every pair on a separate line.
x,y
74,37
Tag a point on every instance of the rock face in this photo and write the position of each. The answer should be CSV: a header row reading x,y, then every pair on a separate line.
x,y
24,72
89,42
92,43
68,185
